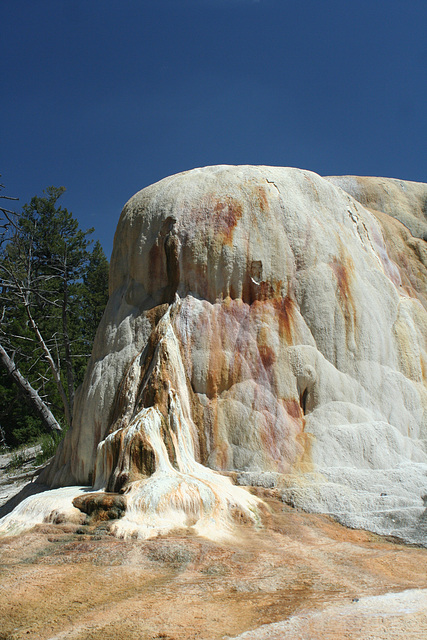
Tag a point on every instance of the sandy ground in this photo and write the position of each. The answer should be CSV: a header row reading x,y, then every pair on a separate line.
x,y
59,582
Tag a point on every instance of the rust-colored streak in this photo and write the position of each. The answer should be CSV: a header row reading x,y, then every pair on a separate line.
x,y
268,290
343,270
125,390
229,330
410,281
262,198
216,364
142,458
217,440
234,374
267,355
285,308
260,291
275,441
404,263
293,409
197,414
342,275
222,457
155,314
226,214
304,462
269,437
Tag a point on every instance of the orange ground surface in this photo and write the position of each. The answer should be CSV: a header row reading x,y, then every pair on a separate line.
x,y
56,582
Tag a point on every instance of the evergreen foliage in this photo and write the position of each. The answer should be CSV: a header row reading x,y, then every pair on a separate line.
x,y
53,289
95,292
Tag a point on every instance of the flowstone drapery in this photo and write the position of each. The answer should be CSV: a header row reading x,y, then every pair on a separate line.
x,y
263,328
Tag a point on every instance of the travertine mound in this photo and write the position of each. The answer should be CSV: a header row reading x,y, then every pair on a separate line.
x,y
403,200
264,324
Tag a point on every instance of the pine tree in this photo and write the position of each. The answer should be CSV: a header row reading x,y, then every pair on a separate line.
x,y
95,281
94,297
53,289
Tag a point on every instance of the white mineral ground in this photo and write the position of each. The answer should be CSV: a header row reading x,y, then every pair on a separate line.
x,y
383,617
265,327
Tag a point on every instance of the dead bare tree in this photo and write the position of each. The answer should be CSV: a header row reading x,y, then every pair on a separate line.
x,y
29,393
9,282
8,217
52,292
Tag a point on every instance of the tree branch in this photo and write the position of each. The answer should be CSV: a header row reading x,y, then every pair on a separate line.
x,y
29,392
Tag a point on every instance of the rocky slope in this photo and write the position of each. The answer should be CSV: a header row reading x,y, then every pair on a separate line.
x,y
266,326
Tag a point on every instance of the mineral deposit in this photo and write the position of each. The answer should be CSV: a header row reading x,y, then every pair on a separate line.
x,y
265,326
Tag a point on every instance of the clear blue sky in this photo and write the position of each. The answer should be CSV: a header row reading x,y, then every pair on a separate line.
x,y
106,97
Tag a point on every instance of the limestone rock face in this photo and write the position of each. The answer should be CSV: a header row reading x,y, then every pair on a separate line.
x,y
268,324
406,201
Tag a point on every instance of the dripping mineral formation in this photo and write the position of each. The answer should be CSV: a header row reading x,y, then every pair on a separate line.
x,y
265,326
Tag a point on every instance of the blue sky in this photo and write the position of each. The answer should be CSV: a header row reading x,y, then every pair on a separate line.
x,y
106,97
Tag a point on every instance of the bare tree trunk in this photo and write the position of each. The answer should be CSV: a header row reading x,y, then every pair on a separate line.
x,y
54,369
29,392
23,292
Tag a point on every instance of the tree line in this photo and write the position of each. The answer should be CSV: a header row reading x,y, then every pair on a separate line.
x,y
53,291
